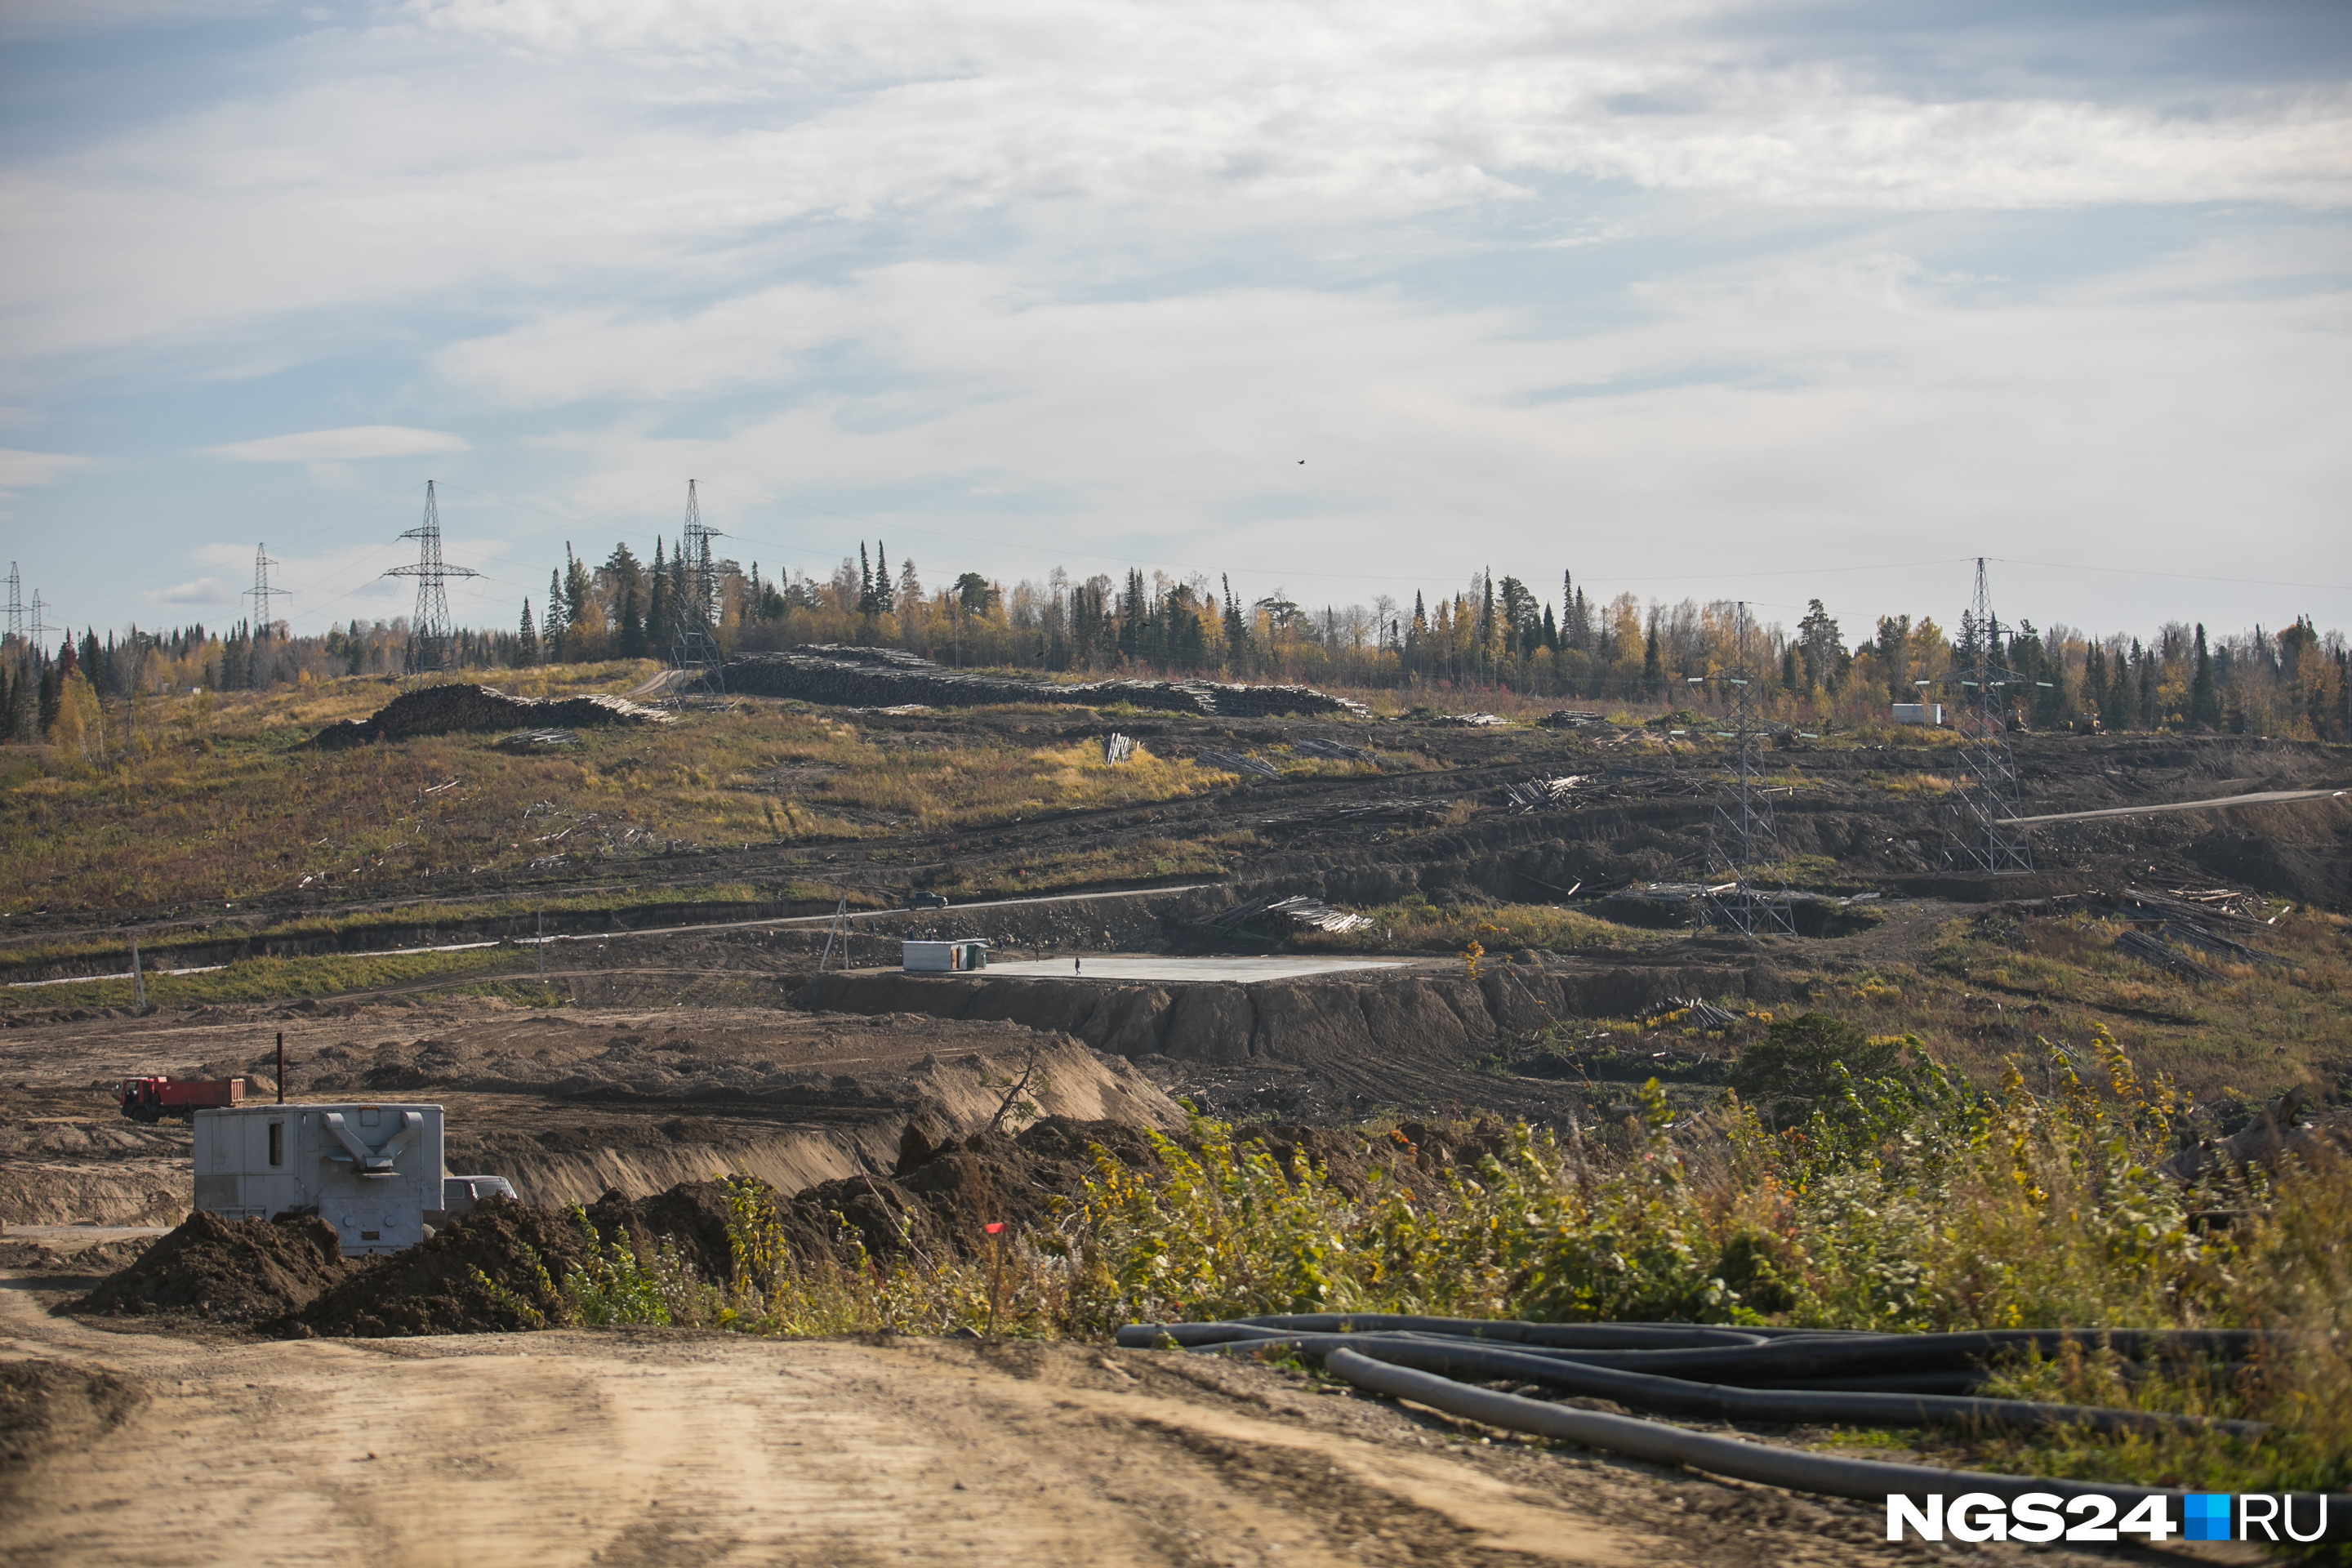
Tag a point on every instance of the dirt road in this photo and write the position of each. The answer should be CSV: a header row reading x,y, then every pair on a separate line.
x,y
621,1448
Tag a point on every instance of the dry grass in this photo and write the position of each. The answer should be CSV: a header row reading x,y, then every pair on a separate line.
x,y
217,804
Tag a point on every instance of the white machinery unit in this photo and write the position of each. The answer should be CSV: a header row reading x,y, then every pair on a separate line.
x,y
372,1172
944,957
1919,713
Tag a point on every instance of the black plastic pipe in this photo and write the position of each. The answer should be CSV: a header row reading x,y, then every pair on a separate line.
x,y
1455,1358
1817,1473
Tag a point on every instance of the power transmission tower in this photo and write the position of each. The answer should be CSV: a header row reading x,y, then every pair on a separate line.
x,y
40,627
261,593
694,618
430,636
1982,832
15,605
1741,841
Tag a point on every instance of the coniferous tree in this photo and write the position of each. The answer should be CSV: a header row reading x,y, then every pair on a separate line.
x,y
1237,637
1653,669
2204,697
552,627
526,640
865,581
657,603
633,627
885,601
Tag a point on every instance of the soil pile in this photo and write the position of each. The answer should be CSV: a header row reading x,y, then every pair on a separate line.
x,y
889,678
447,709
228,1271
494,1271
692,1217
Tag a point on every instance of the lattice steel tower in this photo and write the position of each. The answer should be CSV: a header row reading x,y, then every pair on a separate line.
x,y
694,618
431,640
15,605
261,592
1742,839
1982,832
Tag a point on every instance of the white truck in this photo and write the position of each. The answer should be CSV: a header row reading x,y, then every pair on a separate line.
x,y
373,1172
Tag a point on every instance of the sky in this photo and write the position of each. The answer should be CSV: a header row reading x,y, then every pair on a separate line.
x,y
1691,298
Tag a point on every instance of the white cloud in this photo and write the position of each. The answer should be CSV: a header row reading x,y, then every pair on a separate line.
x,y
23,470
437,158
347,445
198,592
582,354
1849,405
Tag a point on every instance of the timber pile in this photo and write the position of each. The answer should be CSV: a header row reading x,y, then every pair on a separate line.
x,y
886,678
447,709
1533,795
1300,911
1333,752
1234,763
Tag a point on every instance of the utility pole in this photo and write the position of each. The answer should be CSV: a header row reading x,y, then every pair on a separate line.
x,y
137,982
694,617
1980,831
1742,829
429,632
840,927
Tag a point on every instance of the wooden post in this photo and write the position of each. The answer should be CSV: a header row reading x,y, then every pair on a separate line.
x,y
281,1068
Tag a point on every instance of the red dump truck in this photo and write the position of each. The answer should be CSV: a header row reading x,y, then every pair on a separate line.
x,y
154,1098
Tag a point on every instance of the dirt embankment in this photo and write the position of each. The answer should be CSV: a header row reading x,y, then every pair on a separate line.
x,y
1427,1015
459,706
889,677
567,1104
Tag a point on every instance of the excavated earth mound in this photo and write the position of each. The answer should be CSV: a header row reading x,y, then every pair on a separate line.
x,y
889,677
493,1271
228,1271
446,709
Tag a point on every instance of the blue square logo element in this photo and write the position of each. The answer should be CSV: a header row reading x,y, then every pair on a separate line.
x,y
2205,1516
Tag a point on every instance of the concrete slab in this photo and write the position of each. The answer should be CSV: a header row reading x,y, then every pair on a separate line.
x,y
1144,966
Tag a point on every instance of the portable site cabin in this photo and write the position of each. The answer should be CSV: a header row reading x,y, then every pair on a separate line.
x,y
372,1172
944,957
1919,713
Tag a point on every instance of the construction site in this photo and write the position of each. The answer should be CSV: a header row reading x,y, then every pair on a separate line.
x,y
760,1198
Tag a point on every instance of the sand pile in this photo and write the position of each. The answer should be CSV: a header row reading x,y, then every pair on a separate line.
x,y
228,1271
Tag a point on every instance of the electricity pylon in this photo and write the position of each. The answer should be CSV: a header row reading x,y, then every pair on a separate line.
x,y
1741,841
1982,832
694,616
430,636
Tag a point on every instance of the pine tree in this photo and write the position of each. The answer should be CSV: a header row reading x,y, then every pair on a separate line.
x,y
552,626
2204,697
885,603
1238,637
1550,631
526,640
632,629
865,581
1653,669
658,602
